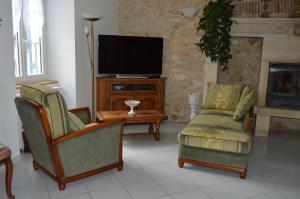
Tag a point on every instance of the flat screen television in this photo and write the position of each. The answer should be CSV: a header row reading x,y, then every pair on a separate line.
x,y
130,55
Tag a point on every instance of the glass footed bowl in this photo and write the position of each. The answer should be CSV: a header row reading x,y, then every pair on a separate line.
x,y
132,104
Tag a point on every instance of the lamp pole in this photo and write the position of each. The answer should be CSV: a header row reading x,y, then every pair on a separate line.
x,y
89,32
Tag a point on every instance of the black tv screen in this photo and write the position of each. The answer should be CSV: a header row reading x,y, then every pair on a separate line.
x,y
130,55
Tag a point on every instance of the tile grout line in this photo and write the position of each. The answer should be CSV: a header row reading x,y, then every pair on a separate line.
x,y
123,184
155,180
167,193
90,195
48,191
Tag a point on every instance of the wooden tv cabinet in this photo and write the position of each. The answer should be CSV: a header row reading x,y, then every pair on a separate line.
x,y
111,93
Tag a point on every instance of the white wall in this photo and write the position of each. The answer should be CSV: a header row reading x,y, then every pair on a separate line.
x,y
66,49
60,46
9,134
65,63
107,25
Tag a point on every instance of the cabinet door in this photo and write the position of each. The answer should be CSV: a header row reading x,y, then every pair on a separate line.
x,y
117,102
148,102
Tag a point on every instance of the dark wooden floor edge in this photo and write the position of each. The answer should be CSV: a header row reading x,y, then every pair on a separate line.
x,y
241,171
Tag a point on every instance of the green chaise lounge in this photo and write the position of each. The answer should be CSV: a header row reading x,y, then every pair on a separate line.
x,y
220,136
65,145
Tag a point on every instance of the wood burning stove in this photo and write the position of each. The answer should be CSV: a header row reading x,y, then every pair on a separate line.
x,y
284,85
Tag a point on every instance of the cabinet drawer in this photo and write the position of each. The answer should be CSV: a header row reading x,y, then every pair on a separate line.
x,y
129,87
117,102
148,102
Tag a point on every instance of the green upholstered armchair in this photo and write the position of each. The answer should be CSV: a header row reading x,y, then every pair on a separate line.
x,y
220,136
63,143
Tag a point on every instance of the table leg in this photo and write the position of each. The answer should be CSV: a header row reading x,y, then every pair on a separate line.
x,y
157,133
150,128
8,177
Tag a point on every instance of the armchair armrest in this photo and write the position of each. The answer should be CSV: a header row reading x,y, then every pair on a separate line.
x,y
87,130
91,148
250,121
83,114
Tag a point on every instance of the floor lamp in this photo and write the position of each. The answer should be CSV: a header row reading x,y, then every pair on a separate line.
x,y
89,33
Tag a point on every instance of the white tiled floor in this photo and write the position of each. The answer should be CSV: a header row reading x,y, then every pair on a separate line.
x,y
151,172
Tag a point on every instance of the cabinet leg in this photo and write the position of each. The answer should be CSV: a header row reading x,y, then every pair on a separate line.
x,y
150,128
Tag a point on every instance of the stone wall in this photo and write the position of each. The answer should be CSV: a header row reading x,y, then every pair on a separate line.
x,y
244,67
183,63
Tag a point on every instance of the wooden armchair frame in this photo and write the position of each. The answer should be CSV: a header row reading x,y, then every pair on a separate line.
x,y
8,175
52,146
250,122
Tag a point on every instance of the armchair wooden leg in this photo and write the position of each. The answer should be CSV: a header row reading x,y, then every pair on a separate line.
x,y
35,166
61,186
8,177
243,174
180,163
120,167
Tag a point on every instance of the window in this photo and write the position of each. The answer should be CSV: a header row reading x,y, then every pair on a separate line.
x,y
28,21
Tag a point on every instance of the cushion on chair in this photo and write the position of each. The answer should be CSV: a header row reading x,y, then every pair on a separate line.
x,y
222,97
54,104
216,143
215,138
75,123
246,102
217,121
245,92
217,112
217,132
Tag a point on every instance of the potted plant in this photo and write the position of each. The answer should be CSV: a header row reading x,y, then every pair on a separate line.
x,y
215,23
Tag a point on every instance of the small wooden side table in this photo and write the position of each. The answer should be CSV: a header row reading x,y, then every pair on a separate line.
x,y
5,157
151,117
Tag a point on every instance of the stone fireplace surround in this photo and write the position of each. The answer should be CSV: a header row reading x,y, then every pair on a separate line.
x,y
281,43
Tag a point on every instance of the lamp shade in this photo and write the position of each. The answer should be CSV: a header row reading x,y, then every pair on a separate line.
x,y
89,17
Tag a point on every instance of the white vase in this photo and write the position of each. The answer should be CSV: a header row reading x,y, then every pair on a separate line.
x,y
194,100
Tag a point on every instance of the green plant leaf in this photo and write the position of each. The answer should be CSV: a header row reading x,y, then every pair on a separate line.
x,y
215,23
